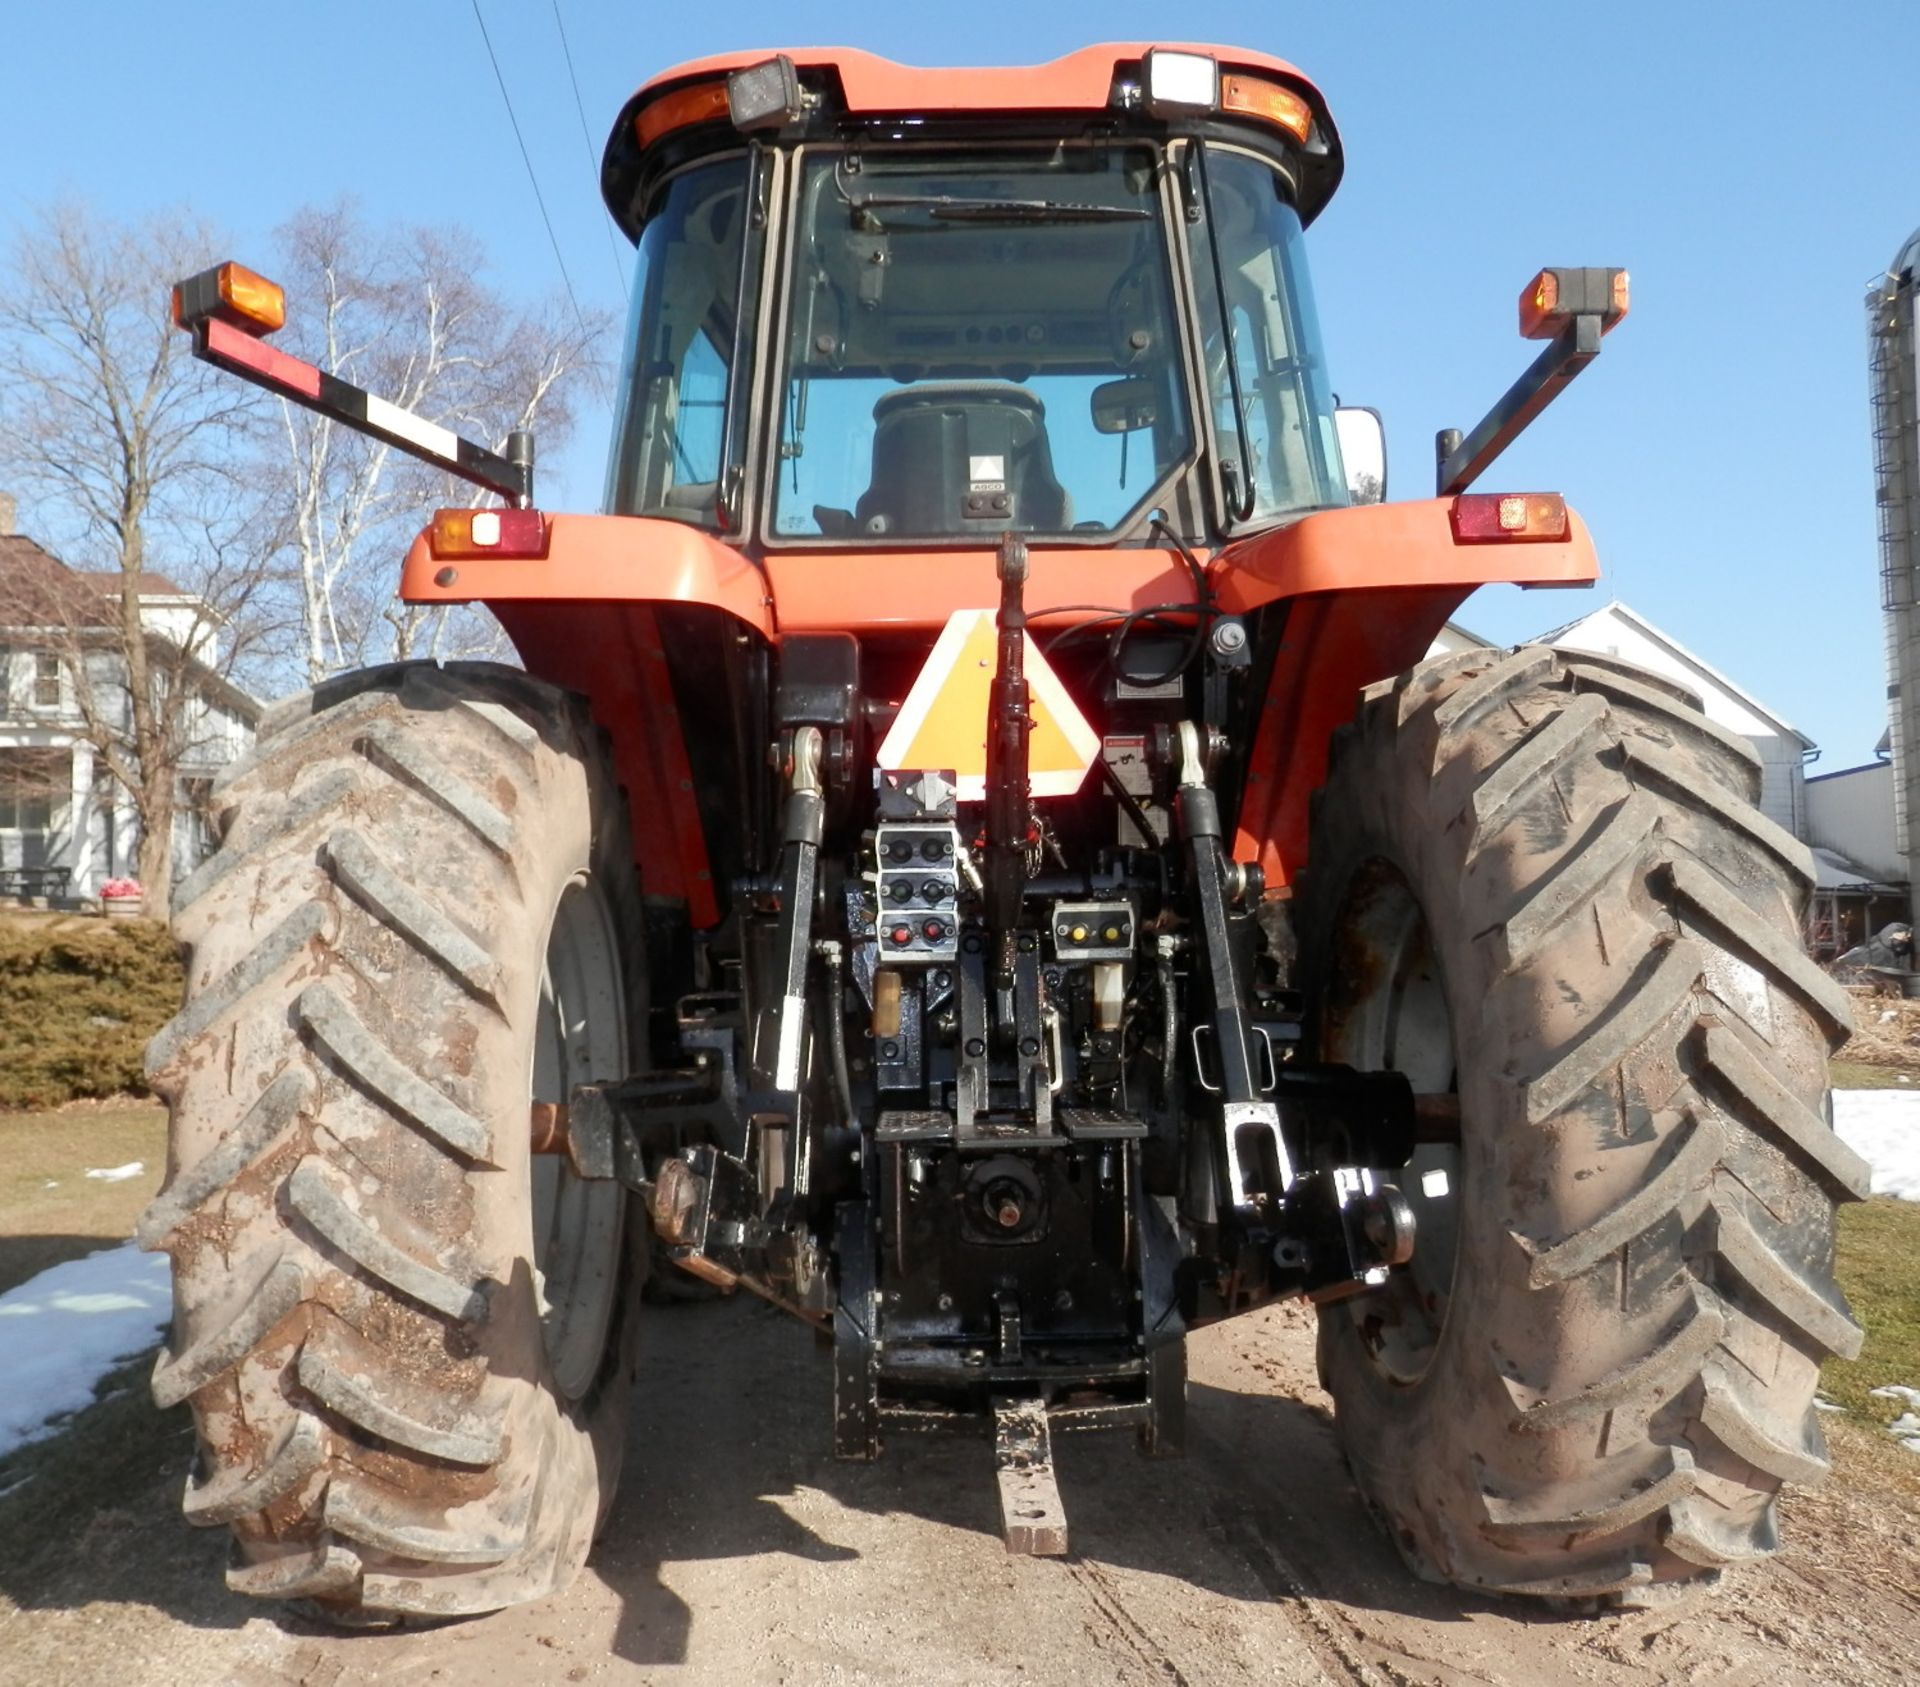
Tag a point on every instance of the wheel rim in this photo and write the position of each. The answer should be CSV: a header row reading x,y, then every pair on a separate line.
x,y
580,1038
1387,1012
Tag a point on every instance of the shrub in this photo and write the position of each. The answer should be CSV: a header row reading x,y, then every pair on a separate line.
x,y
78,1000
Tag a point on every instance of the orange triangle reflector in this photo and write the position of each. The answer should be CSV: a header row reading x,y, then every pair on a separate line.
x,y
942,726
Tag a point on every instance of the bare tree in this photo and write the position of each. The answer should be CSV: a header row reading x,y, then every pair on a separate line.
x,y
125,449
404,315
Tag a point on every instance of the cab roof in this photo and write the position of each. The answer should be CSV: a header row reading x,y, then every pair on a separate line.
x,y
871,86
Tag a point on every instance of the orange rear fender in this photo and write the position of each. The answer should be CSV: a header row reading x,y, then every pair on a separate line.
x,y
1380,545
583,617
601,559
1369,590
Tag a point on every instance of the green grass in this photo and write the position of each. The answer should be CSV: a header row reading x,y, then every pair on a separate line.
x,y
1878,1245
1853,1075
1877,1249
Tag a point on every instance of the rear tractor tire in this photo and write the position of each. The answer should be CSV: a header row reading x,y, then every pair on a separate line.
x,y
406,1340
1539,883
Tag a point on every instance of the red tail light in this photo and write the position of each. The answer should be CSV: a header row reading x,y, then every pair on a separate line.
x,y
1485,518
459,534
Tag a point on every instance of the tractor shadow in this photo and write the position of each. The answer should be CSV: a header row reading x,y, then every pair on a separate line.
x,y
22,1258
729,1440
82,1511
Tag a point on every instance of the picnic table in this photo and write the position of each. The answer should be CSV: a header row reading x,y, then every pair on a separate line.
x,y
23,882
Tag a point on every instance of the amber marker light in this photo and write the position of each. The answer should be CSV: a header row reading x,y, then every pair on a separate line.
x,y
1253,96
701,103
1489,518
465,534
1554,297
1540,307
1620,299
234,294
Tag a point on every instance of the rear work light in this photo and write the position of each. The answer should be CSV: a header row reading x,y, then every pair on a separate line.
x,y
233,294
1554,297
1180,82
766,95
1488,518
463,534
759,96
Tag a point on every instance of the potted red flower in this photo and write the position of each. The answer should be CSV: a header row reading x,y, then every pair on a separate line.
x,y
123,899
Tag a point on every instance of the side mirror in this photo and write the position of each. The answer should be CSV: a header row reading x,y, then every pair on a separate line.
x,y
1363,451
1121,406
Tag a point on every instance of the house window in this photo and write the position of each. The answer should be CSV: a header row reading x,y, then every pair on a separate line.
x,y
20,811
46,681
33,795
30,781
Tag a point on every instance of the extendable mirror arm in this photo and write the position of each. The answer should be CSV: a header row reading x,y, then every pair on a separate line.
x,y
1572,307
230,310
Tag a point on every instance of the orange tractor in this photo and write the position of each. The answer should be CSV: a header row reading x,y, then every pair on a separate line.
x,y
980,855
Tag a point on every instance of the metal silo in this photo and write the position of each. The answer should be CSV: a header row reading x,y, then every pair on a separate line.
x,y
1893,338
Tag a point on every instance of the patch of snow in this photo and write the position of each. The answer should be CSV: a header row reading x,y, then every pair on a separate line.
x,y
117,1174
1820,1405
1883,1128
16,1485
62,1331
1906,1427
1897,1391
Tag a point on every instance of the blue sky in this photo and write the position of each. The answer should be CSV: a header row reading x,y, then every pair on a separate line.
x,y
1752,164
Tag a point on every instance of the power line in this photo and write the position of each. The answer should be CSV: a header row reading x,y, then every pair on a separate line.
x,y
526,158
586,138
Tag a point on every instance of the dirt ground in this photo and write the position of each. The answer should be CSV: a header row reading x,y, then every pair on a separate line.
x,y
742,1553
1886,1032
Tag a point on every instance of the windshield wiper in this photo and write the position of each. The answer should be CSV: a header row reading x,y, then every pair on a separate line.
x,y
947,208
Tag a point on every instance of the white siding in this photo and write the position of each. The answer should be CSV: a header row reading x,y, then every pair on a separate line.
x,y
1452,639
1851,813
1783,789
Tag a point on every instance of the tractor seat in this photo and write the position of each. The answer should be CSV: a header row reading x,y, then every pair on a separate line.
x,y
935,447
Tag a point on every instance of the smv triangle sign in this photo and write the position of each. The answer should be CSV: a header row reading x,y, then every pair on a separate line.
x,y
942,726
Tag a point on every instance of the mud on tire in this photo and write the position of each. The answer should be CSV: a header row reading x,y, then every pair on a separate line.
x,y
406,1402
1542,880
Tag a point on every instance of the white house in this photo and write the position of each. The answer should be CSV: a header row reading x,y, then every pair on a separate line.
x,y
1454,638
59,807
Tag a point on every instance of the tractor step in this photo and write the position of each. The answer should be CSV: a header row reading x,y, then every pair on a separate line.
x,y
1032,1516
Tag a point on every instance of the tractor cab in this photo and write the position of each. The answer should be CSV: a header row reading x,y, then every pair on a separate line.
x,y
853,329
